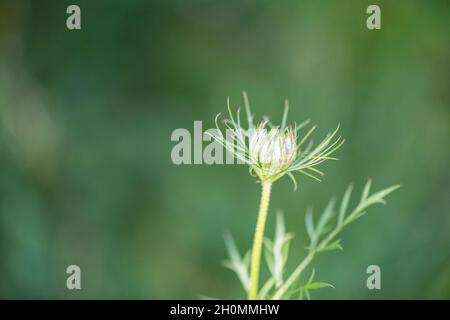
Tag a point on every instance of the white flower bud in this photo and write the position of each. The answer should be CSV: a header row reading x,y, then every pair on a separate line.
x,y
272,151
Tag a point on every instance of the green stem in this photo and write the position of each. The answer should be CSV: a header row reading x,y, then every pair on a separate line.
x,y
279,294
257,243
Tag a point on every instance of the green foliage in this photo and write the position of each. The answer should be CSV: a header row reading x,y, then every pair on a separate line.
x,y
237,264
322,238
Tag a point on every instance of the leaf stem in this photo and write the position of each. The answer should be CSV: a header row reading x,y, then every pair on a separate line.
x,y
279,294
258,240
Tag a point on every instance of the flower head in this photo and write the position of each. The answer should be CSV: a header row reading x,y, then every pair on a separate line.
x,y
273,151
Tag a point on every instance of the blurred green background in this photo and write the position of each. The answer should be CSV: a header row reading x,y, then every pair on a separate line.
x,y
86,118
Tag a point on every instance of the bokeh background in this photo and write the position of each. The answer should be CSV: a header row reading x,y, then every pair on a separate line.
x,y
86,118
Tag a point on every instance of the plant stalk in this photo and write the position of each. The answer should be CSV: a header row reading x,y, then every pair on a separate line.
x,y
279,294
258,240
